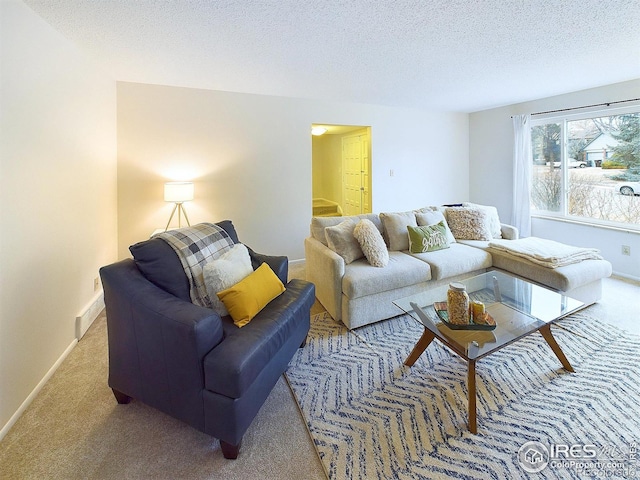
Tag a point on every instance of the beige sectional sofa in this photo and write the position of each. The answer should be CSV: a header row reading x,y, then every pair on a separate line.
x,y
358,293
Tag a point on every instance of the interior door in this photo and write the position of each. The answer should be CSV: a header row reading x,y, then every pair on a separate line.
x,y
356,175
352,175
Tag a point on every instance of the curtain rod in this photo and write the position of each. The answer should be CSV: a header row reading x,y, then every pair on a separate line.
x,y
608,104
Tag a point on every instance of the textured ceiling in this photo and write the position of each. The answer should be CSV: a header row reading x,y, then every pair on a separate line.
x,y
462,55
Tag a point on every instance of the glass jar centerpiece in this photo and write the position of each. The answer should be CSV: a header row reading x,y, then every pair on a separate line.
x,y
458,304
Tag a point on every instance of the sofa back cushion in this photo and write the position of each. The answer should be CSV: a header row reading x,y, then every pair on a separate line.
x,y
318,224
159,263
395,229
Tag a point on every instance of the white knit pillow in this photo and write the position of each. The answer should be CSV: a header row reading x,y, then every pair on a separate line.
x,y
224,272
372,243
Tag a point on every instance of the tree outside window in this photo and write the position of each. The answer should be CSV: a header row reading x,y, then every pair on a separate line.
x,y
580,165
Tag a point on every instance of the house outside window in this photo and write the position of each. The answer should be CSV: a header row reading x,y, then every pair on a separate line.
x,y
586,167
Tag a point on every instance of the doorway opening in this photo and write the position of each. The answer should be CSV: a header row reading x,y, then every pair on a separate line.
x,y
341,169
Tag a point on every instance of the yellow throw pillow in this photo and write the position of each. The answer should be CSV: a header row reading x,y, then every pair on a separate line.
x,y
246,298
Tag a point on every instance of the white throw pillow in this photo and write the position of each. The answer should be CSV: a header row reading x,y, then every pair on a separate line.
x,y
426,219
340,239
224,272
372,243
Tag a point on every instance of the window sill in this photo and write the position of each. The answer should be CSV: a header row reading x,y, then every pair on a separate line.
x,y
586,223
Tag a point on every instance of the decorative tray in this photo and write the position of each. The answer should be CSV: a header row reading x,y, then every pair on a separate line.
x,y
441,310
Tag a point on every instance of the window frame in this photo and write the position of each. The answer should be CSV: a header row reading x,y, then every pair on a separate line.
x,y
563,118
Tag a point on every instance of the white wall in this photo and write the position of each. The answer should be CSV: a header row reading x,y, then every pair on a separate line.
x,y
250,159
57,197
490,167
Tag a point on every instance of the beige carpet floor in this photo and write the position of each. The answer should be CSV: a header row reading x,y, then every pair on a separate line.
x,y
75,429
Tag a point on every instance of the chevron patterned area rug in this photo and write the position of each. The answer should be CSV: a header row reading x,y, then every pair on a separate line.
x,y
371,417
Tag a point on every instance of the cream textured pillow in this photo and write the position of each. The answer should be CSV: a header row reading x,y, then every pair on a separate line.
x,y
233,266
494,219
395,226
468,223
340,239
425,218
372,243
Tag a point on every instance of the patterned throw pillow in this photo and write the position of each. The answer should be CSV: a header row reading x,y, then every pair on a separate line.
x,y
494,220
469,223
428,238
372,243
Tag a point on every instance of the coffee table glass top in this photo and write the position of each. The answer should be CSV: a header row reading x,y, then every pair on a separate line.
x,y
519,308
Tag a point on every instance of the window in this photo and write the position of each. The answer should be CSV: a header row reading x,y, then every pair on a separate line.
x,y
587,167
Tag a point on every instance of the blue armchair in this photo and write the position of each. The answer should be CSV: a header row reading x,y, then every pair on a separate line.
x,y
186,360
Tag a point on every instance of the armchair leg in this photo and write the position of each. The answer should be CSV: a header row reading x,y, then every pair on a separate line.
x,y
229,451
121,397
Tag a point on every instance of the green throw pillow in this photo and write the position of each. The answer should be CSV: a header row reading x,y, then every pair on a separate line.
x,y
428,238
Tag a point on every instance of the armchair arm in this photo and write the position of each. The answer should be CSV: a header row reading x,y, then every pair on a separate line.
x,y
279,264
325,268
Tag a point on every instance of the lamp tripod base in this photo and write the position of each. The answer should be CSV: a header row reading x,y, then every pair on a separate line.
x,y
180,208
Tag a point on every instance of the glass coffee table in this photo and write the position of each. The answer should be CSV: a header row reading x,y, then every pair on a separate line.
x,y
518,307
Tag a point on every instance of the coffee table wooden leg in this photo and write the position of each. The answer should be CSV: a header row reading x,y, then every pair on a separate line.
x,y
546,333
422,344
471,387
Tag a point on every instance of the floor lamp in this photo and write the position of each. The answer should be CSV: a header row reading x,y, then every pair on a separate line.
x,y
178,193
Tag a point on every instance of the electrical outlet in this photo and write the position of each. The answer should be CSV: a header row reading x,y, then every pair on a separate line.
x,y
96,284
626,250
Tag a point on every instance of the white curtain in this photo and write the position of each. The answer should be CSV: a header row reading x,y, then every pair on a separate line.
x,y
522,161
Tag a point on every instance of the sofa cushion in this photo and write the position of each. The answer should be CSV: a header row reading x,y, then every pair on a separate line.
x,y
234,365
340,239
395,228
564,278
246,298
456,260
372,243
361,279
318,224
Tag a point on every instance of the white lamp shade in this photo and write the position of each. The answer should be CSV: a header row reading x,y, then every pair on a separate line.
x,y
178,192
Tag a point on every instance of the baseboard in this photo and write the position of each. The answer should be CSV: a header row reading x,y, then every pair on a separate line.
x,y
14,418
625,276
89,314
296,262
